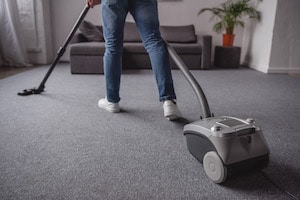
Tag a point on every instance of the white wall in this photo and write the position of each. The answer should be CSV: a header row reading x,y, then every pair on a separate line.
x,y
45,51
28,23
273,45
63,16
36,27
286,38
258,37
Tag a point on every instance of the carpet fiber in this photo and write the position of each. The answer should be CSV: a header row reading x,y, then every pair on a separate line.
x,y
60,145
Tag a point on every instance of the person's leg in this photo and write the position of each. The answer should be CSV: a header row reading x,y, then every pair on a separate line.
x,y
145,14
113,18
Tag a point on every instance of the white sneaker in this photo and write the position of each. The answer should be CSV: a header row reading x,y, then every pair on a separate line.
x,y
171,110
109,106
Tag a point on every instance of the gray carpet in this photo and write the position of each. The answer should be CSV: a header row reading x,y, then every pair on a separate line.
x,y
59,145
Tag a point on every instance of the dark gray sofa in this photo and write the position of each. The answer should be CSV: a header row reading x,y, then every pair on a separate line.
x,y
87,48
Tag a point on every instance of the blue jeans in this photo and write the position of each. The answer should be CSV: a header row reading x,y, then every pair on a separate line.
x,y
145,14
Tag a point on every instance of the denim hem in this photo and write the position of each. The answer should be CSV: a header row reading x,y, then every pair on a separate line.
x,y
113,101
170,97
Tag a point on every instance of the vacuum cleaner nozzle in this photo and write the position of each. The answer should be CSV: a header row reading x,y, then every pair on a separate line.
x,y
30,92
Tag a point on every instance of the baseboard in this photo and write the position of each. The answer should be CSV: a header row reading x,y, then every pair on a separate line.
x,y
283,70
269,70
261,68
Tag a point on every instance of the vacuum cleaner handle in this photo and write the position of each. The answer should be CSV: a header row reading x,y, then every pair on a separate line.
x,y
74,29
62,49
191,79
60,53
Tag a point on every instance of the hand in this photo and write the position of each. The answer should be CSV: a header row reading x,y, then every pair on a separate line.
x,y
92,3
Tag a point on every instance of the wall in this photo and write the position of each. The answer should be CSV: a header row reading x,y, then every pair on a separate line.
x,y
28,23
286,38
36,27
45,53
63,16
257,41
273,45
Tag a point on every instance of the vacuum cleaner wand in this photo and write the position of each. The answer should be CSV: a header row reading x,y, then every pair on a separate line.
x,y
60,53
191,79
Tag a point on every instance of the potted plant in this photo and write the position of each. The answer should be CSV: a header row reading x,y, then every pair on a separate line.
x,y
231,14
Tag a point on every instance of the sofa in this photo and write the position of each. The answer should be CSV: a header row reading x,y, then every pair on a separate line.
x,y
87,48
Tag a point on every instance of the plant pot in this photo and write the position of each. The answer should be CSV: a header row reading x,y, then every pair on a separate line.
x,y
228,40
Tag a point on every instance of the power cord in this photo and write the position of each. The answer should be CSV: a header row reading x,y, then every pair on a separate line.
x,y
279,187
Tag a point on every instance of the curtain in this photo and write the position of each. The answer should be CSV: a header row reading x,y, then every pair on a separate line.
x,y
12,46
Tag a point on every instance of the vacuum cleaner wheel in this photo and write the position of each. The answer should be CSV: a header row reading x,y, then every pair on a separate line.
x,y
214,167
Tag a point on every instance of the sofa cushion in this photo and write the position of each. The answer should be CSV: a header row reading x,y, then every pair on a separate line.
x,y
91,32
192,48
131,33
87,48
180,48
134,47
179,34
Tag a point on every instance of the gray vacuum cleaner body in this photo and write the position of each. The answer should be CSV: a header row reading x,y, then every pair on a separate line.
x,y
227,145
224,145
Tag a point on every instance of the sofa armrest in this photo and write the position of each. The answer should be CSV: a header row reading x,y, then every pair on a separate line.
x,y
206,42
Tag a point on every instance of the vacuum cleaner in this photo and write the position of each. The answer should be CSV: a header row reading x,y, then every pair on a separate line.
x,y
225,145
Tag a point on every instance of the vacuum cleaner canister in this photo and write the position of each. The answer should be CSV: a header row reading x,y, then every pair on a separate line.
x,y
226,146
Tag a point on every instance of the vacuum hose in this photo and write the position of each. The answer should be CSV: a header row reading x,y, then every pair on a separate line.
x,y
191,79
